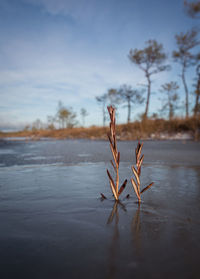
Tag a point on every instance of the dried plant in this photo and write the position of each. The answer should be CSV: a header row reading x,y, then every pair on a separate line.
x,y
114,185
136,231
137,172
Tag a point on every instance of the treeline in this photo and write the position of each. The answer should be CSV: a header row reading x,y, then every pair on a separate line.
x,y
151,60
65,117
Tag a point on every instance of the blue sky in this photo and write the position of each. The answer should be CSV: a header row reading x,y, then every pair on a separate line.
x,y
74,50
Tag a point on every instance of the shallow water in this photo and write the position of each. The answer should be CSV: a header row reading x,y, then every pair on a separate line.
x,y
54,224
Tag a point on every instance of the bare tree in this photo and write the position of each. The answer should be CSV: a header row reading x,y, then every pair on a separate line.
x,y
130,96
150,60
102,100
51,122
172,97
63,116
83,113
114,100
185,43
192,8
57,116
37,125
66,116
113,97
197,92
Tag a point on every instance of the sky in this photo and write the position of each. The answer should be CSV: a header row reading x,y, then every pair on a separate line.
x,y
75,50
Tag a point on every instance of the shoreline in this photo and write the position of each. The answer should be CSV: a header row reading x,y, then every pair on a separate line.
x,y
151,129
160,137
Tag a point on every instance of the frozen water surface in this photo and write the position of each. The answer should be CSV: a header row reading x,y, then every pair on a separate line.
x,y
54,224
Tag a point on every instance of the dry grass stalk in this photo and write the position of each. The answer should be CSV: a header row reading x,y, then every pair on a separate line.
x,y
114,184
137,172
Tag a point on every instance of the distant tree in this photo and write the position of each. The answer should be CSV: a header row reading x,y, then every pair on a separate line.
x,y
197,92
130,96
113,97
27,128
37,125
193,8
170,102
102,100
150,60
51,127
83,113
63,115
57,116
51,122
154,116
185,43
66,117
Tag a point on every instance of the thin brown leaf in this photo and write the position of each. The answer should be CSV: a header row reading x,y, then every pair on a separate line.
x,y
112,185
111,129
137,148
136,176
103,197
135,188
110,177
110,139
115,143
122,187
113,190
139,151
118,158
141,160
114,154
139,165
146,188
113,115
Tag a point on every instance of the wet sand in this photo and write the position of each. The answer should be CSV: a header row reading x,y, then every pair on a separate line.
x,y
54,224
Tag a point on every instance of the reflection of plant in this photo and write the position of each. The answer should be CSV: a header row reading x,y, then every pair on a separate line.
x,y
136,230
115,212
116,156
137,172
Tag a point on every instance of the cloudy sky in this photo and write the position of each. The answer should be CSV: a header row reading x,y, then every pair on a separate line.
x,y
74,50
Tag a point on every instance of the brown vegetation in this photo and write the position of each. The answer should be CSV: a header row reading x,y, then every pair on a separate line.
x,y
150,128
114,185
137,171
